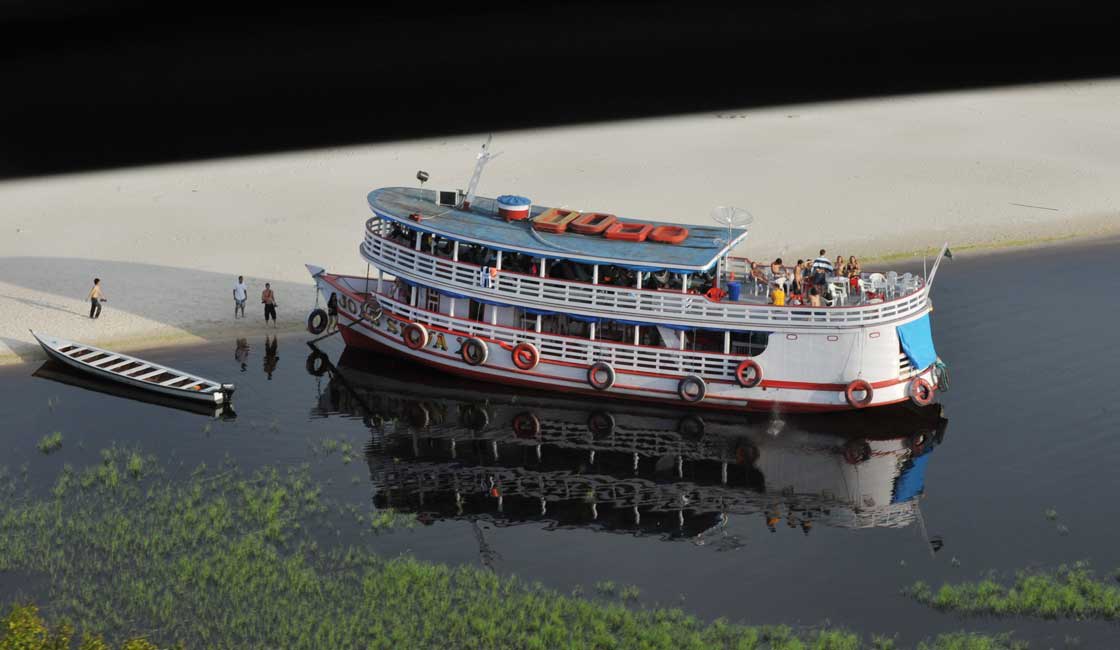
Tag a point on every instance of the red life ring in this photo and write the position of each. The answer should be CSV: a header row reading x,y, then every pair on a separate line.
x,y
741,373
593,375
920,392
525,356
415,336
855,386
692,389
592,223
629,231
669,234
526,425
475,351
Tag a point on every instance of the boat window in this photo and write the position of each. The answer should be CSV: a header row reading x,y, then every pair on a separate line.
x,y
475,310
749,343
432,300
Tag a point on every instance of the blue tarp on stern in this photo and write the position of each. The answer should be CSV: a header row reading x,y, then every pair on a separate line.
x,y
917,342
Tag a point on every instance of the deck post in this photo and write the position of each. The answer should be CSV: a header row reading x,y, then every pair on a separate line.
x,y
498,262
727,342
544,263
684,282
595,274
591,331
380,280
639,280
538,325
636,330
451,306
493,314
415,295
455,251
419,238
683,334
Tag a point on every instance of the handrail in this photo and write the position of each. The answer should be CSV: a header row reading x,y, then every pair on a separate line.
x,y
622,356
600,300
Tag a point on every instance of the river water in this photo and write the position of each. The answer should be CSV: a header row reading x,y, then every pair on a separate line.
x,y
759,519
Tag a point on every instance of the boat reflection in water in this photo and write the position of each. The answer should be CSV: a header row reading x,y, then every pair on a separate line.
x,y
55,371
444,448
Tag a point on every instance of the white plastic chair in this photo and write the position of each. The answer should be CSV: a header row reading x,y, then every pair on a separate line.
x,y
892,283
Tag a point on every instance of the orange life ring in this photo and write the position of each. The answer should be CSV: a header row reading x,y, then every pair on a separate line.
x,y
525,356
669,234
629,231
526,425
741,373
474,351
592,223
600,382
855,386
415,336
920,392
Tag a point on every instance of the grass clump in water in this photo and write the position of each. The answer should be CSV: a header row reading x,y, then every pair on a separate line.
x,y
1069,592
228,559
24,629
50,443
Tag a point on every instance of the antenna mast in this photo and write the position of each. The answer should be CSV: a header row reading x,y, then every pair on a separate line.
x,y
484,156
731,217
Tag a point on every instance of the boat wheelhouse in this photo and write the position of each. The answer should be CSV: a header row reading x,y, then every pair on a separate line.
x,y
589,302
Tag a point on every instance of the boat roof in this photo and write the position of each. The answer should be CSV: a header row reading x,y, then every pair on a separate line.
x,y
704,246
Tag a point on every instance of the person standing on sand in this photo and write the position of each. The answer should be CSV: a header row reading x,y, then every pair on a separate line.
x,y
269,300
95,299
240,293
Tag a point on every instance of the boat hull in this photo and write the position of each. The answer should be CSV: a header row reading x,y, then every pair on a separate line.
x,y
443,352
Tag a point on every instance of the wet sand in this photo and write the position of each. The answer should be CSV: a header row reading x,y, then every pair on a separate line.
x,y
874,178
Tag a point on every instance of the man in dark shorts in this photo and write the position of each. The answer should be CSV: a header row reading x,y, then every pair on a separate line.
x,y
268,297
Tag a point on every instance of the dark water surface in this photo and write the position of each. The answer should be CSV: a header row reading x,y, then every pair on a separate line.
x,y
799,520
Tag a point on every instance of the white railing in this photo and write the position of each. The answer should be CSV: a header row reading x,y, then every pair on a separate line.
x,y
607,300
581,351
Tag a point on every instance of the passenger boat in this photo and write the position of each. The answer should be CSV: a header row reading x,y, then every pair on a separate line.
x,y
134,372
587,302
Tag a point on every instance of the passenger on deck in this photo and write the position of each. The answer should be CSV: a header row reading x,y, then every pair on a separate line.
x,y
756,273
840,268
715,294
777,296
776,268
853,267
822,262
798,277
814,297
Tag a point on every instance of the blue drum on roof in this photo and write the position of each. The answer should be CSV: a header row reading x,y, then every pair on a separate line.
x,y
513,201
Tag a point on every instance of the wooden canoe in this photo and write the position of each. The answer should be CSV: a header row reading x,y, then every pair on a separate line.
x,y
134,372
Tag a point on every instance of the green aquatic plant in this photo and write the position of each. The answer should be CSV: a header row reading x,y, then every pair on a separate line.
x,y
24,629
1068,592
630,592
51,442
605,587
226,558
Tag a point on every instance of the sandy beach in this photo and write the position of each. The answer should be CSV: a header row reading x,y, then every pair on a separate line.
x,y
880,177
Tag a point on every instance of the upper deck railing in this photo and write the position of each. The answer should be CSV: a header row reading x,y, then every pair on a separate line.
x,y
627,303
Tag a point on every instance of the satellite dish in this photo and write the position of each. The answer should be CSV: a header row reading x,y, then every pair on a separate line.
x,y
731,217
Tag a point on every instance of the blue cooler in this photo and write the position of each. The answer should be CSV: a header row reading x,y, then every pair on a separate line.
x,y
733,290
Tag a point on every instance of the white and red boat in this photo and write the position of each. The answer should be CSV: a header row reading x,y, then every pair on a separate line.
x,y
586,302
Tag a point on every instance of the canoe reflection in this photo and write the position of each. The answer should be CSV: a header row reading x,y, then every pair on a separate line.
x,y
55,371
447,449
